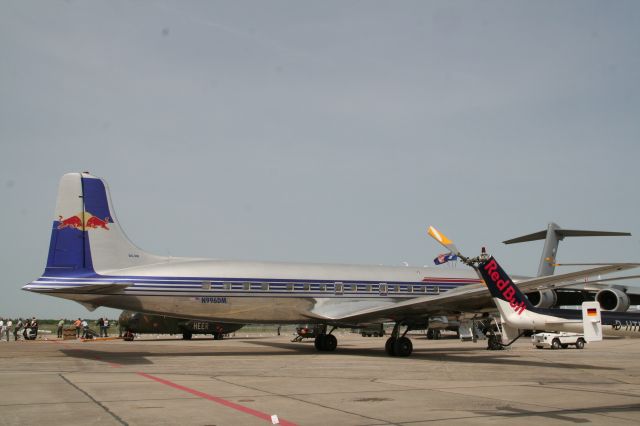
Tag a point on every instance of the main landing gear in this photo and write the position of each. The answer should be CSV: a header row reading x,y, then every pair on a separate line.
x,y
326,342
399,345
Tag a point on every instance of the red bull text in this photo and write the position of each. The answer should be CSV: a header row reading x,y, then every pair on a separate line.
x,y
505,286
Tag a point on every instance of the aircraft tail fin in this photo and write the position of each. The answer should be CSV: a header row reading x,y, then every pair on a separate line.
x,y
502,288
552,237
592,321
86,237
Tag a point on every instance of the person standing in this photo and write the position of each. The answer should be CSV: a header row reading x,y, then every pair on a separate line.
x,y
60,327
3,327
77,324
17,329
85,329
106,327
9,326
101,326
34,327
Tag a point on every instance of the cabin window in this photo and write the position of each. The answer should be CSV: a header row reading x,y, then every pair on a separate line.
x,y
305,286
246,286
206,285
227,286
383,288
289,286
338,288
264,286
433,289
322,287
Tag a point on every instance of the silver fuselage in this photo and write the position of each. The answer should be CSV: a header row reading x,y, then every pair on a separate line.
x,y
257,292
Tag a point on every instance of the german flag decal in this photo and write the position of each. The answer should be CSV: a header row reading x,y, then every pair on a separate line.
x,y
592,312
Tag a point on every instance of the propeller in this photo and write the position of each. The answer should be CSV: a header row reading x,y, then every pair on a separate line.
x,y
442,239
446,242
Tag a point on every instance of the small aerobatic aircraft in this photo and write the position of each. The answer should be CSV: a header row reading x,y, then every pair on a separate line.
x,y
91,261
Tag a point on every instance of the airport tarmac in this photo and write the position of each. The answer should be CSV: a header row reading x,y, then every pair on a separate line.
x,y
249,378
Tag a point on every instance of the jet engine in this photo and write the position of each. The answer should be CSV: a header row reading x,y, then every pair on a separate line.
x,y
612,299
543,298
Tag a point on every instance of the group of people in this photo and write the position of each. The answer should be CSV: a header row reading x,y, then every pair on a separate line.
x,y
28,328
83,330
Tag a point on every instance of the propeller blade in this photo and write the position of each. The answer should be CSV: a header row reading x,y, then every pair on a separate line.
x,y
442,239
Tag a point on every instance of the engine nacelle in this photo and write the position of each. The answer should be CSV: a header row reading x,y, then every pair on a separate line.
x,y
612,299
543,299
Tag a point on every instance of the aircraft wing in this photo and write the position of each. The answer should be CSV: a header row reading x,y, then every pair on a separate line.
x,y
572,278
470,298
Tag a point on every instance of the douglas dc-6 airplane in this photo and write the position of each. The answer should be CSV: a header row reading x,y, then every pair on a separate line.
x,y
92,262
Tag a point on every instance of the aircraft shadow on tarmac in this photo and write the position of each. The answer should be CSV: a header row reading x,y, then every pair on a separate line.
x,y
461,355
559,414
444,354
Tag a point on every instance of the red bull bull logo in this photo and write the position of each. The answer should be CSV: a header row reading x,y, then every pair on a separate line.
x,y
505,286
91,222
70,222
95,222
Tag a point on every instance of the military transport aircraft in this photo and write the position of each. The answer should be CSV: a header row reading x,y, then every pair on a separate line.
x,y
91,261
612,294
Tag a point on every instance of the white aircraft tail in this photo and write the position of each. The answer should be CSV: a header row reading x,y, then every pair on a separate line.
x,y
592,321
86,237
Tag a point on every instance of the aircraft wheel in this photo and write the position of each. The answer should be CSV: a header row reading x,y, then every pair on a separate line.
x,y
330,343
580,344
319,342
565,346
555,344
430,334
186,335
493,344
403,346
389,346
218,336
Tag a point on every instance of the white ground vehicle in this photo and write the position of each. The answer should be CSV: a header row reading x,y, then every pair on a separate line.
x,y
558,340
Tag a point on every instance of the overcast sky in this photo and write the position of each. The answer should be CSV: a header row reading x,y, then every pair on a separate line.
x,y
321,131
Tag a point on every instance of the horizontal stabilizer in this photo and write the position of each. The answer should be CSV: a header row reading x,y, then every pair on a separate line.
x,y
89,289
561,233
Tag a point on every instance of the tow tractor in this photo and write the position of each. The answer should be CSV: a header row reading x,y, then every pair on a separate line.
x,y
558,340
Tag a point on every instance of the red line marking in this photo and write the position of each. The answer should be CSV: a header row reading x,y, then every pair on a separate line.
x,y
222,401
216,399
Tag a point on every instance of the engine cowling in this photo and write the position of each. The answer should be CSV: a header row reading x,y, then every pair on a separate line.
x,y
543,298
612,299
